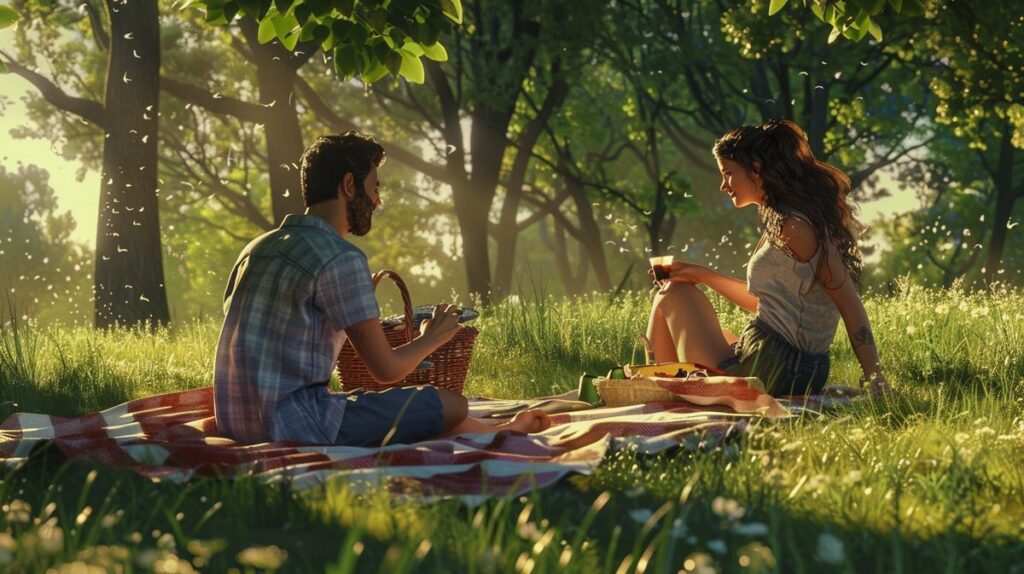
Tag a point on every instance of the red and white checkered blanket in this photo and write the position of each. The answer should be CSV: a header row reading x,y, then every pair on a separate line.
x,y
174,436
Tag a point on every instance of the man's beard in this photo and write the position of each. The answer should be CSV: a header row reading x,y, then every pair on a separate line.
x,y
360,212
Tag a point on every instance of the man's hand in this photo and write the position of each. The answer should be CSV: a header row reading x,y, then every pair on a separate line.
x,y
442,326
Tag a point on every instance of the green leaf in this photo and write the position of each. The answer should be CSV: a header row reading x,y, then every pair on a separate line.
x,y
836,32
436,52
378,20
250,8
8,16
321,33
412,67
381,50
286,29
266,31
341,29
346,61
306,33
345,7
394,62
413,48
359,34
897,5
775,6
452,9
283,6
375,73
861,20
230,11
875,31
323,7
3,67
302,13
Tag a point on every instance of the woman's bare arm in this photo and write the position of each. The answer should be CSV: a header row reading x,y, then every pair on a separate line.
x,y
840,288
731,288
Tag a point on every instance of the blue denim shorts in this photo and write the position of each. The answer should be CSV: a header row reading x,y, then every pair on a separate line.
x,y
785,370
402,415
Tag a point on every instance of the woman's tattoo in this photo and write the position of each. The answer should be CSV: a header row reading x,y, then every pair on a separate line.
x,y
864,337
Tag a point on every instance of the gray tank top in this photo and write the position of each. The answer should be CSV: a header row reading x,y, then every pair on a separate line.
x,y
791,300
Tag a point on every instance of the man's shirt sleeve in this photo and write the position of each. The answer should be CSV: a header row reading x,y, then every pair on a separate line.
x,y
344,290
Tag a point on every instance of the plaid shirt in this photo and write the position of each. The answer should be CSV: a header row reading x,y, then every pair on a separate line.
x,y
288,301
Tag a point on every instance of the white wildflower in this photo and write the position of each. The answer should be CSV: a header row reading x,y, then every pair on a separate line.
x,y
830,549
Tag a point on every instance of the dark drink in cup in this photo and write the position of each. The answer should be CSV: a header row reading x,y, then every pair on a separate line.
x,y
662,267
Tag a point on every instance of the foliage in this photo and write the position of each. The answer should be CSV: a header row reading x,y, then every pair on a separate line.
x,y
853,19
974,59
366,39
45,275
8,17
930,479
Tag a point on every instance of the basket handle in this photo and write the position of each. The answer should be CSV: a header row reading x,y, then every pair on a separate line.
x,y
406,300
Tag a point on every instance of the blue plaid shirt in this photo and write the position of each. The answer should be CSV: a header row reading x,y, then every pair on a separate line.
x,y
289,299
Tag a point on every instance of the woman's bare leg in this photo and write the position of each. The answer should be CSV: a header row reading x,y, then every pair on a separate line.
x,y
683,326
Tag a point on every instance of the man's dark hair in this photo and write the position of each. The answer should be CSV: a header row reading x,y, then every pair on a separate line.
x,y
326,161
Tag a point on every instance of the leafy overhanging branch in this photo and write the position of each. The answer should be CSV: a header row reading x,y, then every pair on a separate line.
x,y
368,40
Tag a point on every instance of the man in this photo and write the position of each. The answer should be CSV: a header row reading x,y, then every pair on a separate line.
x,y
294,296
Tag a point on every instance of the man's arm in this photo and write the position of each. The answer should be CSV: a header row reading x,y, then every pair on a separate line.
x,y
389,365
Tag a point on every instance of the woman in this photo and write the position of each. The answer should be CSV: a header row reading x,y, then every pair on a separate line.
x,y
800,278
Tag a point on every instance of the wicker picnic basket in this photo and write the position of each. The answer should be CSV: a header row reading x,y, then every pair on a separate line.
x,y
622,392
450,362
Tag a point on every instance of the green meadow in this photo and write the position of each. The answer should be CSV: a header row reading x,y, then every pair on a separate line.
x,y
929,480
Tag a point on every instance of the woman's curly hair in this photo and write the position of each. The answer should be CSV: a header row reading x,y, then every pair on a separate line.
x,y
793,178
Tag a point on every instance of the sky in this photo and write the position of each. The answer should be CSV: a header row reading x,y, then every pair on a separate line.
x,y
82,198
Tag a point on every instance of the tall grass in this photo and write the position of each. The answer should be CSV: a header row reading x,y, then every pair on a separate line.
x,y
929,480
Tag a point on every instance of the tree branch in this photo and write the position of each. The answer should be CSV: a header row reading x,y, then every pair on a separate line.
x,y
96,23
340,124
86,109
244,111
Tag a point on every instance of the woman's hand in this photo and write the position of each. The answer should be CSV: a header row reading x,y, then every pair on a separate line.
x,y
683,272
877,384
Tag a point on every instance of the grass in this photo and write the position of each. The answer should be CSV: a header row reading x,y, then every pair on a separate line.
x,y
931,480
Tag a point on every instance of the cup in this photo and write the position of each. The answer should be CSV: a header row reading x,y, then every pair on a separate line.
x,y
587,392
662,266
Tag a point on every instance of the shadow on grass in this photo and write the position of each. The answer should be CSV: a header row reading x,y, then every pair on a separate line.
x,y
659,511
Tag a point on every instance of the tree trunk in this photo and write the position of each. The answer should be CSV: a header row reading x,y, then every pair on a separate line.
x,y
508,230
276,71
487,148
816,114
555,242
591,234
1006,197
129,273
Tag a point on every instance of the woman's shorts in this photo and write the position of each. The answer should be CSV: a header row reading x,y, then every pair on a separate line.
x,y
785,370
400,415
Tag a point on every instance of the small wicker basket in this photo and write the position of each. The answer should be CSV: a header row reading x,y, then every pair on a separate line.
x,y
450,361
622,392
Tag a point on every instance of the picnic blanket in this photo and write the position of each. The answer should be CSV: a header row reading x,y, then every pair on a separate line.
x,y
174,436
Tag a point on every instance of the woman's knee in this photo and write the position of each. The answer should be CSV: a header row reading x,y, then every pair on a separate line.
x,y
454,408
676,294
